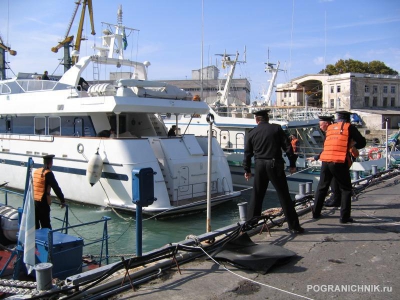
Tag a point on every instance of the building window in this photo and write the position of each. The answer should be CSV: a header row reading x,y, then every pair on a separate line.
x,y
338,88
375,101
332,89
290,94
384,102
332,103
393,89
284,94
385,89
366,101
374,89
338,104
392,101
366,89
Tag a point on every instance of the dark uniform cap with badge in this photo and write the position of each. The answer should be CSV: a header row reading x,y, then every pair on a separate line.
x,y
343,115
262,113
48,157
327,118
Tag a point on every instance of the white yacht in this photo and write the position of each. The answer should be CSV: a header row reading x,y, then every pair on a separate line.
x,y
40,117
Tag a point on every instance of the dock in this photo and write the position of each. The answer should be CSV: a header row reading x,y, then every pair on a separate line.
x,y
333,260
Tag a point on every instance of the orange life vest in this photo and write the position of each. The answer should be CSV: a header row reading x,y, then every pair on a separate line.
x,y
39,177
294,143
336,146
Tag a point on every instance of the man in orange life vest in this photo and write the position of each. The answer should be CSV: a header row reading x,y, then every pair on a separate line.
x,y
324,122
43,182
295,143
335,164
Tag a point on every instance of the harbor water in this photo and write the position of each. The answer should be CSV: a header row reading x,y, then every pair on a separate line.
x,y
156,232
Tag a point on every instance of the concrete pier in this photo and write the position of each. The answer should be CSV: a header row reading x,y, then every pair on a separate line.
x,y
334,260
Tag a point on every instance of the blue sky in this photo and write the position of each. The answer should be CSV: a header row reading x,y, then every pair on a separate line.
x,y
301,34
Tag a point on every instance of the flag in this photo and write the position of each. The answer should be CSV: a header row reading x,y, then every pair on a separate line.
x,y
124,39
26,236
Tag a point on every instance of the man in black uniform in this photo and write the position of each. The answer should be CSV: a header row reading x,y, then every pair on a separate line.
x,y
266,143
43,182
335,164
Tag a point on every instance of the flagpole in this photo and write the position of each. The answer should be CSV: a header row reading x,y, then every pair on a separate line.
x,y
28,175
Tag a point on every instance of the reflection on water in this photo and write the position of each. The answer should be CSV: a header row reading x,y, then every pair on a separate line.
x,y
156,233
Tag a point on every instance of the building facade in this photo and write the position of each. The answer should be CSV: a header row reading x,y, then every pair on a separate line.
x,y
375,97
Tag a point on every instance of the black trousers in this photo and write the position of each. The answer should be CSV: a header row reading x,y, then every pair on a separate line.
x,y
340,172
42,215
266,171
336,194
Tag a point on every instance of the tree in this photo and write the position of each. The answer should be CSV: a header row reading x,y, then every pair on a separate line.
x,y
356,66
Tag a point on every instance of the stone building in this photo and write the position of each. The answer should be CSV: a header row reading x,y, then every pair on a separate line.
x,y
374,97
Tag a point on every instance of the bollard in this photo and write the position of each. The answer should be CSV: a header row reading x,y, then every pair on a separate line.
x,y
302,189
242,211
308,187
44,280
374,169
356,175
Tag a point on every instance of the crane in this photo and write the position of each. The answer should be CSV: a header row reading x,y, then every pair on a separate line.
x,y
8,49
3,49
66,42
79,37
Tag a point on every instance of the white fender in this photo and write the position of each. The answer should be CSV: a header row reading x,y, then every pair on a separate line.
x,y
94,169
9,222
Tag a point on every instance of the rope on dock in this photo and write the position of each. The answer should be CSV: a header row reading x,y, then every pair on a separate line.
x,y
18,287
248,279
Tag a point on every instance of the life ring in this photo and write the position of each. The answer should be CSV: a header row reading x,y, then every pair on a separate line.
x,y
374,154
80,148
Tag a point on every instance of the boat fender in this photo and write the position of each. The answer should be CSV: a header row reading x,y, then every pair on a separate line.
x,y
374,154
8,225
94,168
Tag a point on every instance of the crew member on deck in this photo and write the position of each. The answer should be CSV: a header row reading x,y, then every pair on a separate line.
x,y
172,131
295,143
43,182
83,85
265,143
45,76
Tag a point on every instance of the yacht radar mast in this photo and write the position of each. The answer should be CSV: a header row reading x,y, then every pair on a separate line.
x,y
222,95
274,71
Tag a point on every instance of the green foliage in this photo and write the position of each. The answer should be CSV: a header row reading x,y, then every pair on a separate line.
x,y
356,66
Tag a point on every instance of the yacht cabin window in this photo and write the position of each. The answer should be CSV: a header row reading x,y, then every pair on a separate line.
x,y
64,126
40,125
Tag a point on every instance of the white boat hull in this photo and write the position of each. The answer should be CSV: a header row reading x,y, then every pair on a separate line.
x,y
180,175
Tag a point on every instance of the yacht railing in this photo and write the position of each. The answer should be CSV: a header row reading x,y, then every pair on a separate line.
x,y
278,114
187,192
28,85
28,137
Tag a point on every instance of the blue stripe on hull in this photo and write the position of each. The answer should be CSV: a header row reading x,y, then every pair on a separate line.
x,y
74,171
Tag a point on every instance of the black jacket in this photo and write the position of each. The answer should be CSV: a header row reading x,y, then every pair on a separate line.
x,y
51,180
267,141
